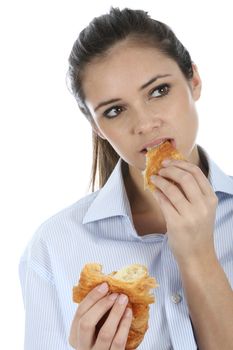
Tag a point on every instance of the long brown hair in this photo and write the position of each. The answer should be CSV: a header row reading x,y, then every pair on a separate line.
x,y
94,41
104,159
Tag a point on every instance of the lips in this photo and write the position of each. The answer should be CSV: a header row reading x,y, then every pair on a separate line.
x,y
156,143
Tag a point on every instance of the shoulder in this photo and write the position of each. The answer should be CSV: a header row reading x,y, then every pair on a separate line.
x,y
68,216
57,231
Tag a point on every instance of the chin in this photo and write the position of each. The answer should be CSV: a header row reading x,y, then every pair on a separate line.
x,y
136,166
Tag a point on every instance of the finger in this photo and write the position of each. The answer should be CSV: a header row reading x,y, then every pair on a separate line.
x,y
171,194
121,336
88,322
186,180
91,298
169,211
109,329
201,179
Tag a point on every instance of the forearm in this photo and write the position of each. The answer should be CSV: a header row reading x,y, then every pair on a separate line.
x,y
210,301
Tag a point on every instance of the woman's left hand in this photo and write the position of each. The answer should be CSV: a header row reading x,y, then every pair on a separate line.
x,y
189,206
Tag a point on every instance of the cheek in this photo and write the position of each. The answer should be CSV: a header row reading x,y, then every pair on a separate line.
x,y
115,138
103,127
185,122
187,111
111,130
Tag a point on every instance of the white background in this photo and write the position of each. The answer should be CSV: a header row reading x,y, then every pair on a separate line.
x,y
45,142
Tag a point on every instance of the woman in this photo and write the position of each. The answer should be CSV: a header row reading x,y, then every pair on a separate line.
x,y
137,85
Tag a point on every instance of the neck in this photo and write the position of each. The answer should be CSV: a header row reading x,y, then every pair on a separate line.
x,y
141,201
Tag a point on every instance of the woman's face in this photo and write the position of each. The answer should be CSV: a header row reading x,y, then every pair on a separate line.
x,y
136,96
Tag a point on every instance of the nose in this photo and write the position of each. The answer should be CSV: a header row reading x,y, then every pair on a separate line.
x,y
146,121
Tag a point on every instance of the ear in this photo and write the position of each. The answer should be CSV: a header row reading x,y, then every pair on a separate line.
x,y
196,83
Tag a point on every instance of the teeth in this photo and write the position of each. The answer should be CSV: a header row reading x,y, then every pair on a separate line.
x,y
149,148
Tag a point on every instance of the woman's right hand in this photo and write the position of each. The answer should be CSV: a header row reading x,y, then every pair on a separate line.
x,y
113,333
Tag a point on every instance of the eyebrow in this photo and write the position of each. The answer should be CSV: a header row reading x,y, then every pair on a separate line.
x,y
152,80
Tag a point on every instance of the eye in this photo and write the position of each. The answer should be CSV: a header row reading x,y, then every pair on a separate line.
x,y
113,112
160,91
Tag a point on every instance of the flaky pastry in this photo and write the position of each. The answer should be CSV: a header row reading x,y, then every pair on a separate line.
x,y
154,158
134,281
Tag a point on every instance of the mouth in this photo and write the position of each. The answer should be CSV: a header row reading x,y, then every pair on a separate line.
x,y
157,143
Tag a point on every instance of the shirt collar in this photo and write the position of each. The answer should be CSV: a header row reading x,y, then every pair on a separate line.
x,y
111,200
219,181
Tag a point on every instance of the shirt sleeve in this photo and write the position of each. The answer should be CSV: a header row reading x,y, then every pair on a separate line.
x,y
44,325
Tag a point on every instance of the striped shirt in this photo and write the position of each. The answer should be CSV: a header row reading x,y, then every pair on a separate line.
x,y
99,228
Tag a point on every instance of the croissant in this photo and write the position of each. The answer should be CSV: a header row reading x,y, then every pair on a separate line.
x,y
154,158
132,280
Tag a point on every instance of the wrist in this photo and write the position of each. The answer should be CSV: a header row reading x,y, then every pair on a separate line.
x,y
199,265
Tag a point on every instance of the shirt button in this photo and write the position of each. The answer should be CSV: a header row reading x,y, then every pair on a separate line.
x,y
176,298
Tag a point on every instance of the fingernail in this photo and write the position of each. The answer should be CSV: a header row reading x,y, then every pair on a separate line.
x,y
103,288
113,296
166,162
153,178
122,299
128,312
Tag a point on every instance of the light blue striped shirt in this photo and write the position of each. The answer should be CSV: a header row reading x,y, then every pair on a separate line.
x,y
99,228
